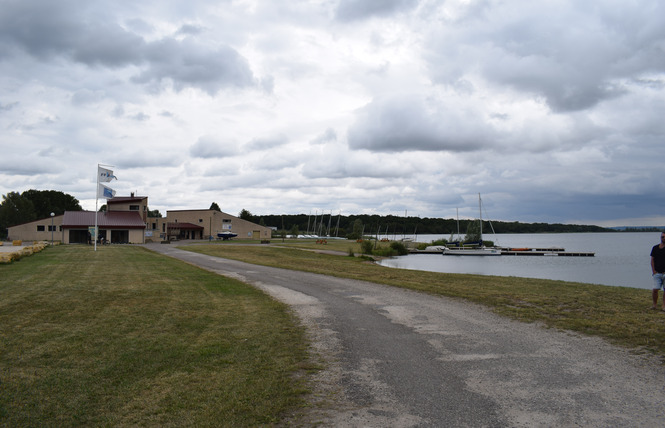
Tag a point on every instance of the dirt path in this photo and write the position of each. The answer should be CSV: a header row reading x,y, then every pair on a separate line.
x,y
400,358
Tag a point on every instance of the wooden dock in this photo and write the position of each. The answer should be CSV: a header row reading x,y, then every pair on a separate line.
x,y
560,252
546,252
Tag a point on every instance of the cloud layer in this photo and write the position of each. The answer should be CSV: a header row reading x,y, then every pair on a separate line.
x,y
551,110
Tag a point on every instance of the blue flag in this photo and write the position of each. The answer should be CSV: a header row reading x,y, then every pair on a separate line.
x,y
105,192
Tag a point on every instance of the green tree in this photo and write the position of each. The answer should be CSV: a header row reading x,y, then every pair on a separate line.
x,y
357,230
295,231
154,214
472,232
51,201
246,215
15,209
215,207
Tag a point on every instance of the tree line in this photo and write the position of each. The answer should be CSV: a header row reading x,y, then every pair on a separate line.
x,y
390,225
18,208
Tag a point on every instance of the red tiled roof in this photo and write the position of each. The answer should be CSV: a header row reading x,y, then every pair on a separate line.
x,y
124,219
185,226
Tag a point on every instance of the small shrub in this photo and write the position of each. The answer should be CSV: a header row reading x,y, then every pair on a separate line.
x,y
367,247
399,248
385,252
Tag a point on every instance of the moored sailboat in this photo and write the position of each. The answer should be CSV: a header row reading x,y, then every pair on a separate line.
x,y
479,250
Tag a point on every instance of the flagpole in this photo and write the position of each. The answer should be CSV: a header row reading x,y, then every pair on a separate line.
x,y
96,208
108,193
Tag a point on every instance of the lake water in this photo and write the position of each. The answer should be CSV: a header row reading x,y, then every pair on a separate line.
x,y
621,259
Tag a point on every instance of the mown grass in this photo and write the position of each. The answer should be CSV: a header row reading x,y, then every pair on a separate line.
x,y
341,245
619,314
127,337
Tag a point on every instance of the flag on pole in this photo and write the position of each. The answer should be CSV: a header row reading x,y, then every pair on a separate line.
x,y
105,175
105,192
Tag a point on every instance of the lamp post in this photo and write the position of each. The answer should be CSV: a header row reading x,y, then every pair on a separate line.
x,y
52,215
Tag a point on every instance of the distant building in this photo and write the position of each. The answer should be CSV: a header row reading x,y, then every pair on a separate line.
x,y
205,224
126,221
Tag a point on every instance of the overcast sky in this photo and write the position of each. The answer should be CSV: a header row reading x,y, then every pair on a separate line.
x,y
553,110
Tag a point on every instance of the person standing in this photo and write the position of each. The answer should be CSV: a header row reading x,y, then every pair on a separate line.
x,y
658,271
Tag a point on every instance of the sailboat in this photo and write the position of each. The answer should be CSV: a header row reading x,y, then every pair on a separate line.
x,y
481,250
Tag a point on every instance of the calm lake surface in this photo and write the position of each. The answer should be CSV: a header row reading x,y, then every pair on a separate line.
x,y
622,259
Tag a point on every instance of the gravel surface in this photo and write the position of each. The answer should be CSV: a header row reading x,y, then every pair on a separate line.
x,y
399,358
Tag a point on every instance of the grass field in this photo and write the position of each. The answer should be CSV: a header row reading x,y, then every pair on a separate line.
x,y
126,337
619,314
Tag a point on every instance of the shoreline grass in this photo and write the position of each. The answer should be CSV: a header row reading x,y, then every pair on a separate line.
x,y
618,314
124,336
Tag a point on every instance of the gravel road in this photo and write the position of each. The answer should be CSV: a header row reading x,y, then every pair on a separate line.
x,y
403,359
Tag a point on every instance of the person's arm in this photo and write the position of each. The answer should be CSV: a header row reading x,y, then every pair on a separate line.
x,y
653,267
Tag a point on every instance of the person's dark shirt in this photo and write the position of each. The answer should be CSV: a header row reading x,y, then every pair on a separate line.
x,y
658,255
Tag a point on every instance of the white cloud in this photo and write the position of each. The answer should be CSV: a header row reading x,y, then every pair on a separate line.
x,y
213,147
552,109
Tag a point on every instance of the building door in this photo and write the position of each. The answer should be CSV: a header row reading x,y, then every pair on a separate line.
x,y
78,236
120,236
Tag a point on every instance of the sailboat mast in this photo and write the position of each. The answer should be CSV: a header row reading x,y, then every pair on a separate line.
x,y
457,210
480,210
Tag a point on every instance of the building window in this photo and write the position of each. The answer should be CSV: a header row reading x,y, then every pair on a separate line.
x,y
200,220
133,207
226,220
40,228
52,228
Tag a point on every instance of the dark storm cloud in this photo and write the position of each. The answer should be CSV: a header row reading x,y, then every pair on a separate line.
x,y
51,29
399,124
352,10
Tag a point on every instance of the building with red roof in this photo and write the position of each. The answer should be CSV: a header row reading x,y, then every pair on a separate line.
x,y
126,221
